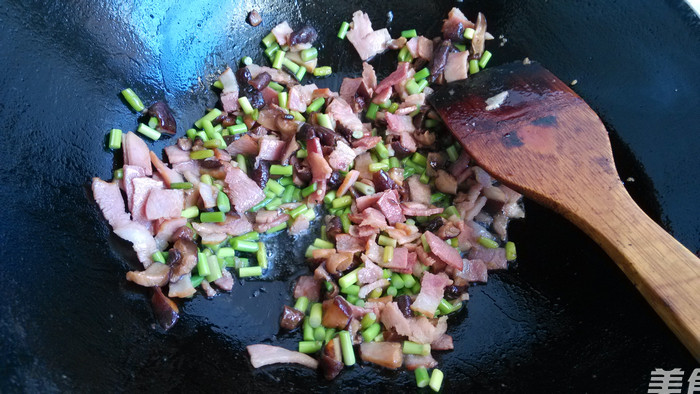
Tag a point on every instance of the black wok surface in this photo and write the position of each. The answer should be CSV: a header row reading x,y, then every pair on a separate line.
x,y
565,319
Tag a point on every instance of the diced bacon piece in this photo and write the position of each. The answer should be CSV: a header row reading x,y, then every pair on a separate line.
x,y
412,46
405,110
444,342
343,114
381,96
373,251
348,243
182,288
431,292
341,157
268,118
323,92
176,155
130,172
320,170
369,273
367,41
419,192
245,145
154,275
300,224
143,243
365,202
366,289
278,76
136,152
208,289
412,261
265,220
229,93
292,147
399,262
464,202
419,330
243,192
166,229
407,142
191,166
495,259
208,194
511,209
222,155
414,361
228,79
169,176
365,143
164,204
370,217
348,89
442,250
389,205
282,32
393,318
229,101
425,48
427,259
271,148
213,238
369,76
348,182
473,211
457,66
363,231
142,187
424,331
416,100
482,176
301,96
403,233
420,47
261,355
416,209
225,283
385,354
399,123
465,236
111,202
362,163
270,96
473,271
453,27
309,287
397,77
213,233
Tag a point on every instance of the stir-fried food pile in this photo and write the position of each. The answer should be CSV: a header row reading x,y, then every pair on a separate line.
x,y
408,221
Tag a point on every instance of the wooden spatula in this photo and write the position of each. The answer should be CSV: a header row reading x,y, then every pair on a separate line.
x,y
544,141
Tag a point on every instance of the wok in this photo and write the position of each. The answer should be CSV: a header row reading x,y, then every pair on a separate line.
x,y
564,319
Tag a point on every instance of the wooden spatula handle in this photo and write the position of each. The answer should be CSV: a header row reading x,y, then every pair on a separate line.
x,y
665,272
